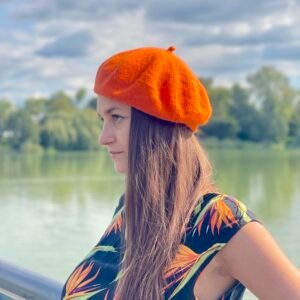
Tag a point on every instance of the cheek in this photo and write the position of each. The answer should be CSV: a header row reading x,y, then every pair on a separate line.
x,y
125,138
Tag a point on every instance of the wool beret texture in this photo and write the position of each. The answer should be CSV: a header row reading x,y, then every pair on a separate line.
x,y
157,82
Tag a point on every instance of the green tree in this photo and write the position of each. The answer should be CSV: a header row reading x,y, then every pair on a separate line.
x,y
57,131
87,127
250,121
60,102
80,95
222,124
24,129
294,126
274,96
221,99
6,109
221,128
92,103
34,105
36,108
66,131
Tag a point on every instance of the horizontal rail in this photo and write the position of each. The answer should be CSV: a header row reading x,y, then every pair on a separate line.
x,y
19,284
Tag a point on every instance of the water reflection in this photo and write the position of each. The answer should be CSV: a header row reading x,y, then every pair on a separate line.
x,y
55,208
265,180
59,178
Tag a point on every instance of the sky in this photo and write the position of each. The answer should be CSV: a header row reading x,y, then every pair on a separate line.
x,y
47,46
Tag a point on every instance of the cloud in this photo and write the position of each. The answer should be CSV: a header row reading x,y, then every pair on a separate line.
x,y
282,52
274,35
72,45
45,10
50,45
213,11
215,61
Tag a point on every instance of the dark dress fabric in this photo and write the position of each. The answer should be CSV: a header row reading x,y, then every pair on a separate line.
x,y
215,220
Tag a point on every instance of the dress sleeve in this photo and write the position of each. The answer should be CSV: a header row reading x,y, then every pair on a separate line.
x,y
215,221
218,221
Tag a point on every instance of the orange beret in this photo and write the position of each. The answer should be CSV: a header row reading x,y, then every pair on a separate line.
x,y
157,82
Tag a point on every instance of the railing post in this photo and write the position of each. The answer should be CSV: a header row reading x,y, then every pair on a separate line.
x,y
18,283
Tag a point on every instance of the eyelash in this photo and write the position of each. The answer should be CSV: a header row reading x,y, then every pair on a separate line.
x,y
116,116
113,116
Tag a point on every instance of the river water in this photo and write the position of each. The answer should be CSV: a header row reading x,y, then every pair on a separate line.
x,y
54,209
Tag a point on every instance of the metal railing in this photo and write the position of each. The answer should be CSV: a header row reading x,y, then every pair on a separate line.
x,y
18,284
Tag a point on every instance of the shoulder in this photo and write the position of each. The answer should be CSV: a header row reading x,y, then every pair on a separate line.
x,y
220,212
216,219
254,258
245,249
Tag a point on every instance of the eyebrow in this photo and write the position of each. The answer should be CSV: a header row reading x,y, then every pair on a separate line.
x,y
108,111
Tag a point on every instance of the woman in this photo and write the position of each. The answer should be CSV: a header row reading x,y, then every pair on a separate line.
x,y
173,235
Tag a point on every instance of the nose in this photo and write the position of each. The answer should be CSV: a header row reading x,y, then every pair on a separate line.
x,y
106,136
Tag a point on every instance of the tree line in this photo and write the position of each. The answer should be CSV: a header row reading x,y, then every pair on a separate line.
x,y
55,123
265,110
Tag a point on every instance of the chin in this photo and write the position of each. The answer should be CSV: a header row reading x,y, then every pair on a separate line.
x,y
120,169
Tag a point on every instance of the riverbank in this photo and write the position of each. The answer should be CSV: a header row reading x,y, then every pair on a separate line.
x,y
209,143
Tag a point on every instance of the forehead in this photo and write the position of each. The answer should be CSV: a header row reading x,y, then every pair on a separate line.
x,y
105,103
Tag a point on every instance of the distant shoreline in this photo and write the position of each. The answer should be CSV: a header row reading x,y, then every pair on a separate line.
x,y
208,143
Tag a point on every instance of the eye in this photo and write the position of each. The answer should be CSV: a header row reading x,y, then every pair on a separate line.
x,y
116,117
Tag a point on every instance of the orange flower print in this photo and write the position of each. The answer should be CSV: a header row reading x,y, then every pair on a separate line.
x,y
220,212
186,264
183,261
78,287
116,224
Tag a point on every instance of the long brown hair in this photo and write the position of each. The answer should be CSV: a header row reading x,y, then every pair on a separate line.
x,y
168,172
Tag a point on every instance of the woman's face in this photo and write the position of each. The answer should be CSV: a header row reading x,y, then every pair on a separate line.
x,y
114,136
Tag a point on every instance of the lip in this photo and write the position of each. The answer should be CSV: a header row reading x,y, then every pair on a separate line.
x,y
113,154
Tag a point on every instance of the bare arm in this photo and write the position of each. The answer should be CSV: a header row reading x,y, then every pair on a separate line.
x,y
254,258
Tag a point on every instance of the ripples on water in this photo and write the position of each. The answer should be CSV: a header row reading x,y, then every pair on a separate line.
x,y
54,209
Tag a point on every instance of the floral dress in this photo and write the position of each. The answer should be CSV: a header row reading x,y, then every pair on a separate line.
x,y
215,219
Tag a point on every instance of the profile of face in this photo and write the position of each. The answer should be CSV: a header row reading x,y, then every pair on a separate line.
x,y
116,117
